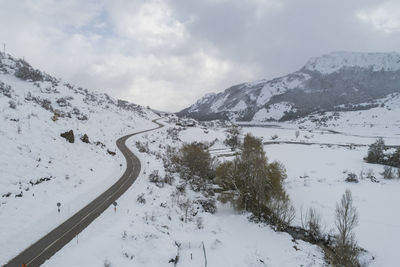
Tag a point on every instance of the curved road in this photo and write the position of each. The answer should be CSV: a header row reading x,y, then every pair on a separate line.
x,y
48,245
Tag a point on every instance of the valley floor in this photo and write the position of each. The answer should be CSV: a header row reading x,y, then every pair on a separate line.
x,y
316,177
146,234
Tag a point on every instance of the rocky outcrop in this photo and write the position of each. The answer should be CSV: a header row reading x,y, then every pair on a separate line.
x,y
69,136
111,152
85,139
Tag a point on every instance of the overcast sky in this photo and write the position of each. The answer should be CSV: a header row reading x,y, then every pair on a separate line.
x,y
167,54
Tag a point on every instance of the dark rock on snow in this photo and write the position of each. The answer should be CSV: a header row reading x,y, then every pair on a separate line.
x,y
85,139
110,152
69,136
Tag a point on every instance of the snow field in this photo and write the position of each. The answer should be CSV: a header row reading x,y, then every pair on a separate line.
x,y
72,174
147,232
326,168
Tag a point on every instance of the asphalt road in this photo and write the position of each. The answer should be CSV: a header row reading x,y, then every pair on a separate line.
x,y
47,246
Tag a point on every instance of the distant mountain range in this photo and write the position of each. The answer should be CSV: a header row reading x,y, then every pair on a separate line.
x,y
339,81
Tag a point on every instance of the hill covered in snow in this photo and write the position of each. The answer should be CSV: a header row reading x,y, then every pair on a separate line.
x,y
336,82
39,167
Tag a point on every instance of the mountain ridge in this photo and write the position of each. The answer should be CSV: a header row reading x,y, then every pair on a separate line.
x,y
331,82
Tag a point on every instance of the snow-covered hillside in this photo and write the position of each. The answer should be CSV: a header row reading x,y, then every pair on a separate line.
x,y
160,218
39,168
340,81
146,232
149,223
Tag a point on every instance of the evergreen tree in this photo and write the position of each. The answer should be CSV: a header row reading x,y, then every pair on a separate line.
x,y
376,152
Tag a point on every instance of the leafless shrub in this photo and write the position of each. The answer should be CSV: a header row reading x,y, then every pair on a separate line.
x,y
208,205
282,210
140,199
199,223
297,133
351,178
388,173
369,175
155,178
311,221
186,205
12,104
142,147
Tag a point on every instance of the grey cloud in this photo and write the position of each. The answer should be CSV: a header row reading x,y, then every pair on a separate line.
x,y
186,48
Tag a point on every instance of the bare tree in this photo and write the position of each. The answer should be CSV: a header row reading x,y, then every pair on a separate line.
x,y
283,211
312,222
346,249
346,216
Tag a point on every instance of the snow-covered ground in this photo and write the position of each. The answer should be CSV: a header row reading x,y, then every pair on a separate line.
x,y
146,234
39,168
325,168
383,120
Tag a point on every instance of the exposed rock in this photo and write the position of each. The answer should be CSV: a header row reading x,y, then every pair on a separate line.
x,y
69,136
82,118
85,139
110,152
7,194
41,180
98,143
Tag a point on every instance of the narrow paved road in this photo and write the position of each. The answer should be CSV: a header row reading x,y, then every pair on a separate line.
x,y
47,246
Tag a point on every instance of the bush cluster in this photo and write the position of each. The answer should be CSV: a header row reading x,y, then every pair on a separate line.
x,y
378,153
254,185
196,166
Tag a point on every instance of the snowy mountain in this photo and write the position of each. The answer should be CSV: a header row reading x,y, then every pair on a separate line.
x,y
162,218
38,166
340,81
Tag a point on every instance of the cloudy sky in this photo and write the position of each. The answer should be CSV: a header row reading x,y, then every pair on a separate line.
x,y
167,54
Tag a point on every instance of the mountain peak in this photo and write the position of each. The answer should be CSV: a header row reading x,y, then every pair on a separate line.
x,y
332,62
339,81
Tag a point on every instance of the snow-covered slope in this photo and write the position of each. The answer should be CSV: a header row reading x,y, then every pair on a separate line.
x,y
38,167
335,61
340,81
149,223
